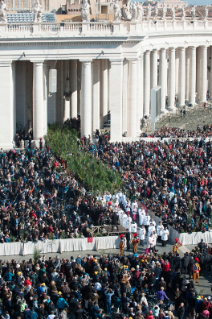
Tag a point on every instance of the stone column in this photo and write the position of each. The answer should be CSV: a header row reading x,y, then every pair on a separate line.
x,y
52,97
140,93
132,107
203,75
198,67
38,104
125,96
86,99
171,92
66,113
73,86
187,71
96,95
211,72
177,83
45,97
154,69
146,83
192,73
60,92
163,79
104,90
181,95
79,74
21,93
115,89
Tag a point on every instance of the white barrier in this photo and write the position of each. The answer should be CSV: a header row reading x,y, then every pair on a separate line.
x,y
195,238
59,245
185,238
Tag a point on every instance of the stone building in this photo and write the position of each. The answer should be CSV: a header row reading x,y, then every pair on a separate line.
x,y
100,68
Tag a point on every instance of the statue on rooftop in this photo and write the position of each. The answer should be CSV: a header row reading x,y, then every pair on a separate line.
x,y
3,16
155,12
173,13
206,12
148,12
164,13
126,12
117,11
38,10
183,14
140,11
133,10
85,11
193,11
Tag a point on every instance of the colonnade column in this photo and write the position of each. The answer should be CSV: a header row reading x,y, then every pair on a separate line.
x,y
171,92
163,78
181,98
192,80
211,72
203,75
124,96
73,87
45,98
67,109
154,69
115,89
140,76
146,83
8,111
38,107
132,107
177,71
96,95
105,91
86,110
187,72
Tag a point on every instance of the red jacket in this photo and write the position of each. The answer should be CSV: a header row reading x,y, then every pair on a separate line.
x,y
27,282
166,267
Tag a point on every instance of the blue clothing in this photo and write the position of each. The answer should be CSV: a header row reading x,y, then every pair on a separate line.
x,y
40,291
9,276
33,315
161,295
61,303
108,296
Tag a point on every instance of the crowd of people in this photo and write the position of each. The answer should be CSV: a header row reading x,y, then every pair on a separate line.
x,y
145,286
174,180
175,132
41,200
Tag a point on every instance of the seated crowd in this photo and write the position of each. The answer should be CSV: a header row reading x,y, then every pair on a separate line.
x,y
175,132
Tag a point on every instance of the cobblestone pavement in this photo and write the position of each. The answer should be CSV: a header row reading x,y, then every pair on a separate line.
x,y
204,284
194,117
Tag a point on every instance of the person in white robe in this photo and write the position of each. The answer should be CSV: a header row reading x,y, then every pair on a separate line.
x,y
150,241
165,236
129,221
134,227
128,209
160,229
124,218
155,237
134,205
153,222
141,213
151,228
146,221
142,234
121,218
